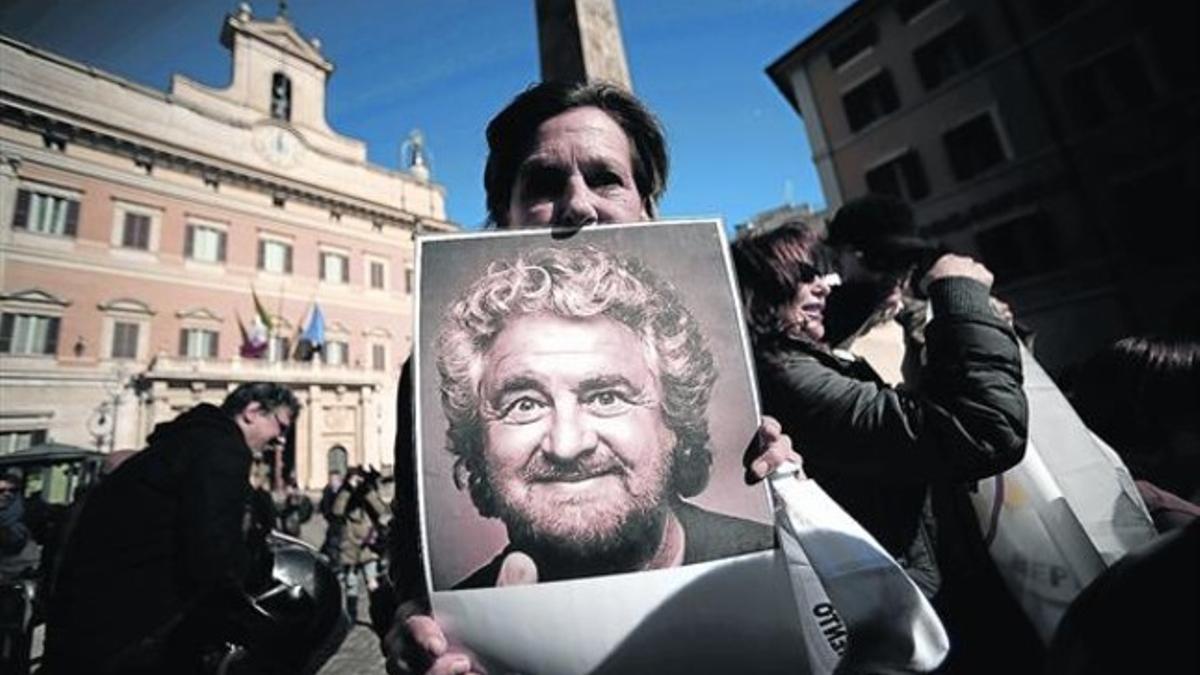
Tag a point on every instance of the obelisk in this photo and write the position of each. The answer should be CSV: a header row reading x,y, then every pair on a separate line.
x,y
580,41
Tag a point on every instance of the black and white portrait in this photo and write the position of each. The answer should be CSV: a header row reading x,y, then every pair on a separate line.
x,y
584,405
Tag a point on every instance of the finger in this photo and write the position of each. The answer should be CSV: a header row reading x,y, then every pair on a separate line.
x,y
451,664
518,569
427,634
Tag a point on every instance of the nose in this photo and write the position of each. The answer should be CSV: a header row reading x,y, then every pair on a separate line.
x,y
821,287
570,435
575,206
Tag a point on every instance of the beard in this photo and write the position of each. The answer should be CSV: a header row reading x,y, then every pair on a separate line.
x,y
613,524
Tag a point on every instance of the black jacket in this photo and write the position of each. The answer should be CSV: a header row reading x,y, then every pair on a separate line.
x,y
901,461
158,542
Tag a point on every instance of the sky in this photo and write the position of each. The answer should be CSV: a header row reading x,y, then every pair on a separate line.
x,y
446,66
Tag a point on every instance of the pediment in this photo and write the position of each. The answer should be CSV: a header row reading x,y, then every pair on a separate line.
x,y
35,296
126,305
279,33
198,314
377,332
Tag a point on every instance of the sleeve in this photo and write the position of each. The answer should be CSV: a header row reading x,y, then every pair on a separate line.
x,y
216,492
407,568
969,421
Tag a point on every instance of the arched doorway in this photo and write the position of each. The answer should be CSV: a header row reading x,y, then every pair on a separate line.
x,y
338,459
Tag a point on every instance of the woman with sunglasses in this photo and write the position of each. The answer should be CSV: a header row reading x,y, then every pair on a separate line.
x,y
898,460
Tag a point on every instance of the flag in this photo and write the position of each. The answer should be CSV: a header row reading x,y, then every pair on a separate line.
x,y
254,341
313,338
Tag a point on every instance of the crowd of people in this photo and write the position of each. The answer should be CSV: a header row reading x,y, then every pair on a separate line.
x,y
885,367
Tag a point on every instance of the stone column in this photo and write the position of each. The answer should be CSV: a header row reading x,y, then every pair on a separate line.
x,y
580,41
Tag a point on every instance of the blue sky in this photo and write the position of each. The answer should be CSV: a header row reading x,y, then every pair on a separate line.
x,y
446,66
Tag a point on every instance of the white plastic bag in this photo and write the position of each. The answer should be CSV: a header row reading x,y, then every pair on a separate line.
x,y
858,609
1064,514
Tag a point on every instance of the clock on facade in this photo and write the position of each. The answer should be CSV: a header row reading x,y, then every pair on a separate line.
x,y
278,145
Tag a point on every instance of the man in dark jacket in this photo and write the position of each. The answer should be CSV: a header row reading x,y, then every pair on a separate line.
x,y
154,570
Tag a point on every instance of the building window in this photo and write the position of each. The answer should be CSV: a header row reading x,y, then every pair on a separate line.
x,y
858,42
205,243
335,267
336,353
870,100
274,256
28,334
908,10
973,147
903,177
378,275
46,213
135,232
958,49
281,97
1048,12
378,357
12,441
1116,82
1021,247
198,343
124,340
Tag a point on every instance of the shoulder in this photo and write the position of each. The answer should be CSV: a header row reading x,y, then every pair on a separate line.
x,y
710,535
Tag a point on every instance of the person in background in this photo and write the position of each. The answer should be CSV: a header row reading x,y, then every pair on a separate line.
x,y
297,509
898,460
18,552
153,576
364,519
1141,395
332,541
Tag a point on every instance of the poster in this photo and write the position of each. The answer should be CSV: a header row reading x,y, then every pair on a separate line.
x,y
583,406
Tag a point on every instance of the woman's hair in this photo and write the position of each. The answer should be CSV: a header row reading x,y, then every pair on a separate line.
x,y
769,270
1141,395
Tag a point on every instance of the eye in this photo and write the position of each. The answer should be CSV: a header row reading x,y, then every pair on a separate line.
x,y
608,402
540,183
605,178
523,410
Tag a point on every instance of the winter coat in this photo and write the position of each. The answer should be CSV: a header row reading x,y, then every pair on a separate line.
x,y
900,461
360,529
157,542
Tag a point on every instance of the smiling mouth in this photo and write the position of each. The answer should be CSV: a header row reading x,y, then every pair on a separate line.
x,y
575,476
815,310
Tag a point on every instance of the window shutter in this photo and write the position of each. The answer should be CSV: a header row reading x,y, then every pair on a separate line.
x,y
183,334
72,225
21,214
262,254
345,270
221,246
321,259
51,346
6,332
287,259
188,242
212,345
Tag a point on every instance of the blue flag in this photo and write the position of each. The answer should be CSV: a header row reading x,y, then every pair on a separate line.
x,y
313,338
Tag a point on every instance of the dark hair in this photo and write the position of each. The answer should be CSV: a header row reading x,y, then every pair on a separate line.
x,y
1137,394
267,394
882,228
576,282
511,133
769,275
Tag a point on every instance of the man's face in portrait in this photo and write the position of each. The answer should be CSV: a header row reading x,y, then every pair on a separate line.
x,y
579,171
575,446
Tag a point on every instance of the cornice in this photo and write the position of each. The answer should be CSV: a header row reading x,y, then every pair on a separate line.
x,y
59,127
